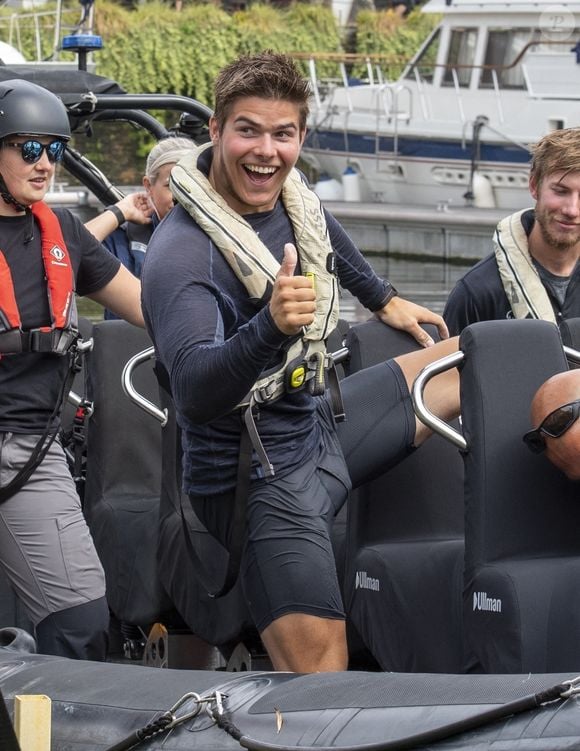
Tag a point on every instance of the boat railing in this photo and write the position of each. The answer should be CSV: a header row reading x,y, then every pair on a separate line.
x,y
16,22
43,23
545,75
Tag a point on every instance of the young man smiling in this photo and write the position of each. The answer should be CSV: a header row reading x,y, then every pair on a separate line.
x,y
238,318
534,270
46,550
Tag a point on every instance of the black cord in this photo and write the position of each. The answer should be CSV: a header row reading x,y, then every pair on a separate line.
x,y
138,736
532,701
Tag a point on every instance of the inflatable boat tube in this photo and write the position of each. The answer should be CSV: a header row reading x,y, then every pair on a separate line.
x,y
106,706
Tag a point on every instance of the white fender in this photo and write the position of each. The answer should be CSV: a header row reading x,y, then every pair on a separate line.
x,y
483,196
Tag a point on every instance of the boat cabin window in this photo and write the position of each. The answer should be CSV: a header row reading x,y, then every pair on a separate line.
x,y
503,48
423,65
461,52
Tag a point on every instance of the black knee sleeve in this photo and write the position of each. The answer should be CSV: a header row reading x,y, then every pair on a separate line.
x,y
80,633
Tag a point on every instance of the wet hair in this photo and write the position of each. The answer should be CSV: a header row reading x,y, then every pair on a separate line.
x,y
268,75
555,152
168,151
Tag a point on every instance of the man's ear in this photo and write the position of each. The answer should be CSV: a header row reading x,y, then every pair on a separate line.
x,y
533,186
214,131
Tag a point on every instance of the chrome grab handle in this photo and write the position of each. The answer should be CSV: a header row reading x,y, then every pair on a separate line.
x,y
572,355
127,381
436,424
440,366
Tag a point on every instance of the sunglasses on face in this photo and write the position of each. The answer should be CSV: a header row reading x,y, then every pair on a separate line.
x,y
31,150
554,425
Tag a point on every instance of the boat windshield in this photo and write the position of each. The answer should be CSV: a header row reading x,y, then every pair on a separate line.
x,y
461,53
503,48
424,62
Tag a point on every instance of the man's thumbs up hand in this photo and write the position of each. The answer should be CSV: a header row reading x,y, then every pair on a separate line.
x,y
289,261
293,301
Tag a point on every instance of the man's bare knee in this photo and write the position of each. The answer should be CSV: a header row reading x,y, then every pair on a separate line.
x,y
306,644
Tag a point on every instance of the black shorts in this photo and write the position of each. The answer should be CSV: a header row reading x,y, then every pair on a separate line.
x,y
288,563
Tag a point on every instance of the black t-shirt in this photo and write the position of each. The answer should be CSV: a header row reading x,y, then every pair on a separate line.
x,y
30,383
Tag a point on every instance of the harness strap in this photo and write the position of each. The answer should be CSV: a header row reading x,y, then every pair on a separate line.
x,y
237,536
57,341
46,439
335,392
258,446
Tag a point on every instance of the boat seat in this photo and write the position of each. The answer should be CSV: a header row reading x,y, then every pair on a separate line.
x,y
522,515
405,546
123,480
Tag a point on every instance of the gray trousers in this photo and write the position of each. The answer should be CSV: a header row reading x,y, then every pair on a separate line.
x,y
46,549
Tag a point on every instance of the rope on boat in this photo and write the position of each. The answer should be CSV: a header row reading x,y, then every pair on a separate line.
x,y
215,707
560,692
167,721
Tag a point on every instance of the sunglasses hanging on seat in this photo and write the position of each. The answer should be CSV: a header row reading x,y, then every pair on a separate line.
x,y
554,425
31,150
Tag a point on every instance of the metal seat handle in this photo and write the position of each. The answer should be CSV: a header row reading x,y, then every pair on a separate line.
x,y
147,406
427,417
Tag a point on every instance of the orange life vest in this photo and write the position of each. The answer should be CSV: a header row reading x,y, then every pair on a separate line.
x,y
63,331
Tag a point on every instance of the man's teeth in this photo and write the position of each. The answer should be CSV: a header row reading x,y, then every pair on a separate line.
x,y
260,170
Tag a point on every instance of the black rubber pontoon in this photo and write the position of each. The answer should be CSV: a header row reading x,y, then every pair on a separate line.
x,y
96,706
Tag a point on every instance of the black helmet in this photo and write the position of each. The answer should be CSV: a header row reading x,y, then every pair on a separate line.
x,y
29,109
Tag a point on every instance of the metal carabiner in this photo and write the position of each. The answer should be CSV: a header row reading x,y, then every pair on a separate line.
x,y
178,719
574,687
217,699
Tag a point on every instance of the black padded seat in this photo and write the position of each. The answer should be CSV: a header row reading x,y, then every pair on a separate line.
x,y
123,483
405,545
522,547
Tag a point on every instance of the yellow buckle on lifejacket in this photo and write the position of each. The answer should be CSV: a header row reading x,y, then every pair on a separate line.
x,y
297,377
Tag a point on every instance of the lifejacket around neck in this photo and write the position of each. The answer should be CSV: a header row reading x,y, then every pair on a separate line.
x,y
250,260
521,281
63,331
255,266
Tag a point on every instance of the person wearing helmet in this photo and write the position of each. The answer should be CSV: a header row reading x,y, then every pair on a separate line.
x,y
46,256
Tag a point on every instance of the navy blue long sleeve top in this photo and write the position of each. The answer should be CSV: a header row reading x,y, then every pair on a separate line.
x,y
215,342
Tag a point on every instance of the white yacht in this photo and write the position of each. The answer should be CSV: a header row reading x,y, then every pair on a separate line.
x,y
457,125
